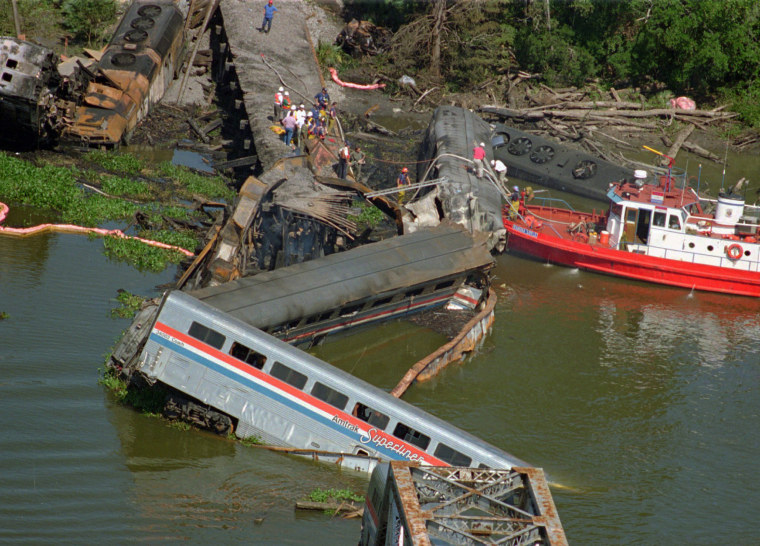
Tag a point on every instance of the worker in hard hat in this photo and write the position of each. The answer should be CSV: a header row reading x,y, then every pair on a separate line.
x,y
401,182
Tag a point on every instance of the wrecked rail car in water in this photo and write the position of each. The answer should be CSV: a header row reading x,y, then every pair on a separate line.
x,y
99,105
303,303
406,274
446,151
410,504
223,372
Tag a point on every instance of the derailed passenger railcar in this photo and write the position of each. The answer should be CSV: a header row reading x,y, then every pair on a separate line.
x,y
257,385
143,57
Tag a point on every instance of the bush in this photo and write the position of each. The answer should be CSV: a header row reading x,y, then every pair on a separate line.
x,y
89,18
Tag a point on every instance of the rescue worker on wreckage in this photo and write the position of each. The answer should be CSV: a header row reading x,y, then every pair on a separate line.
x,y
401,182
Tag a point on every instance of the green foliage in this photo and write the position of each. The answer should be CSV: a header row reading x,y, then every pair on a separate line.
x,y
334,495
89,18
129,305
149,258
114,185
115,162
4,315
249,441
111,381
96,209
331,55
46,187
370,216
191,183
553,54
40,19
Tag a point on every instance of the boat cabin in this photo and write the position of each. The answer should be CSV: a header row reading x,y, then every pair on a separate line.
x,y
655,218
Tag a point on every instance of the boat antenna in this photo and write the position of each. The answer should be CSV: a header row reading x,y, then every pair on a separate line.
x,y
685,182
725,156
699,178
671,162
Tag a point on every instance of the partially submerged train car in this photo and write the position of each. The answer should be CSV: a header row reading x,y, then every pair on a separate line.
x,y
473,202
305,302
144,55
257,385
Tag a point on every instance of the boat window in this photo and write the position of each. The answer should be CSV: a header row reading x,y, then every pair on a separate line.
x,y
241,352
674,222
445,284
659,219
616,210
373,417
331,396
412,436
289,375
452,456
207,335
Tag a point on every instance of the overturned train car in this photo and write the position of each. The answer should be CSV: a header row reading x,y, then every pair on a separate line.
x,y
143,57
234,377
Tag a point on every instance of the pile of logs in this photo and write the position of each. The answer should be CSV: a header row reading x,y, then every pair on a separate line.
x,y
564,114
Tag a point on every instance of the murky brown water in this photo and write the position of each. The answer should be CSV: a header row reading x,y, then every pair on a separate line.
x,y
640,402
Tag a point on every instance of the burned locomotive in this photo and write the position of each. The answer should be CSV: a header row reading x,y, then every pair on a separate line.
x,y
99,105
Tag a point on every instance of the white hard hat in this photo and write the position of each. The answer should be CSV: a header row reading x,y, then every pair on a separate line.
x,y
515,188
281,89
287,93
309,114
300,106
482,144
493,162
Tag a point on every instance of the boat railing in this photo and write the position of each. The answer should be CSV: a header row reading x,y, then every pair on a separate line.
x,y
552,202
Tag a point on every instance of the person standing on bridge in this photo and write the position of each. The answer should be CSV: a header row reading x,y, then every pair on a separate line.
x,y
323,98
278,104
269,10
290,124
501,170
478,158
344,156
401,182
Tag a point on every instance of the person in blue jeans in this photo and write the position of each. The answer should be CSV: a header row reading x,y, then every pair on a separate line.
x,y
269,10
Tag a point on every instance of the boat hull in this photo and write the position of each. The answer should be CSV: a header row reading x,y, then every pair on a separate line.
x,y
600,259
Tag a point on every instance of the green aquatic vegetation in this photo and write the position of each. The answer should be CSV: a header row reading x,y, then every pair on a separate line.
x,y
191,183
98,208
48,187
129,304
111,381
141,256
115,162
334,495
4,315
172,211
249,441
115,185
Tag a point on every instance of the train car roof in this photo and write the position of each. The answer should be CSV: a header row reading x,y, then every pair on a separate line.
x,y
365,392
290,293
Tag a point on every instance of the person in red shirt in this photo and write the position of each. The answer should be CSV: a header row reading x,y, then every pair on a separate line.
x,y
478,158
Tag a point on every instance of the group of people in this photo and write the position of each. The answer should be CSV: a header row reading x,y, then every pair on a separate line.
x,y
300,124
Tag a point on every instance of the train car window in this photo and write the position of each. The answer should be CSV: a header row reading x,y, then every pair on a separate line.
x,y
241,352
207,335
373,417
445,284
415,292
383,301
412,436
351,309
452,456
331,396
289,375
